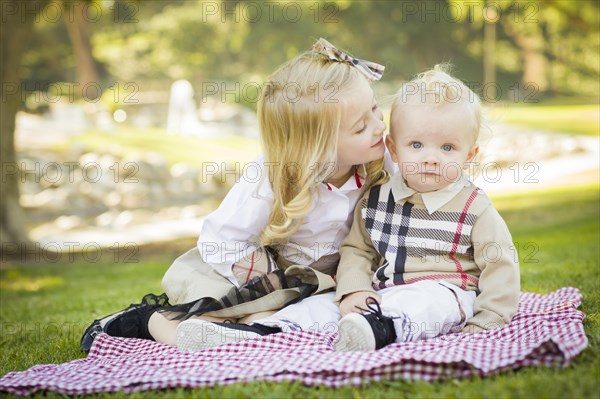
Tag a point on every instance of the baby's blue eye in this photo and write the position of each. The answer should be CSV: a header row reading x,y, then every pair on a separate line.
x,y
416,145
447,147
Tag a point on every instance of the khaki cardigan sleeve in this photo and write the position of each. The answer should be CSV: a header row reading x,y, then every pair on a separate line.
x,y
358,258
499,281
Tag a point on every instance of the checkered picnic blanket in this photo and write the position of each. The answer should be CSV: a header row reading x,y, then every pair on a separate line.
x,y
547,330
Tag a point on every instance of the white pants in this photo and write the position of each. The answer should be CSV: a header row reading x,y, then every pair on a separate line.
x,y
317,313
421,310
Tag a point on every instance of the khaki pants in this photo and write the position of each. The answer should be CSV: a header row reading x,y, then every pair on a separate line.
x,y
189,278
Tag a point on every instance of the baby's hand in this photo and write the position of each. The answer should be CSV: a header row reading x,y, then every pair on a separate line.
x,y
472,329
352,302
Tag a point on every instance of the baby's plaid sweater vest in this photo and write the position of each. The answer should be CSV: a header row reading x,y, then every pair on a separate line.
x,y
421,246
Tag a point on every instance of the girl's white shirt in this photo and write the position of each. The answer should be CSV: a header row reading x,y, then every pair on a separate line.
x,y
232,231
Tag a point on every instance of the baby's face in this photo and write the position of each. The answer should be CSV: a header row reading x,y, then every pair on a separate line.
x,y
431,144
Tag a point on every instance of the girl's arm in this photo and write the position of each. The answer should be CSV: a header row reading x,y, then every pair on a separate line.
x,y
232,231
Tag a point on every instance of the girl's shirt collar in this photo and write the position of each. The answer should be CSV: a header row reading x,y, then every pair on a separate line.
x,y
354,182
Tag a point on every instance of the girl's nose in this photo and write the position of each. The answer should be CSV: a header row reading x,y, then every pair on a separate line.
x,y
381,124
381,128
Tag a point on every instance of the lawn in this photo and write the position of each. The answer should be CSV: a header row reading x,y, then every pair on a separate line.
x,y
128,141
572,119
45,306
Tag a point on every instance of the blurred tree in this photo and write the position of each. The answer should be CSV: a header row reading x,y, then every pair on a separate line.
x,y
18,18
85,64
541,47
552,45
15,30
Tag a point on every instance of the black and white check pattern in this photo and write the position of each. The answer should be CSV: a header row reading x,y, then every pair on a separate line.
x,y
401,230
547,330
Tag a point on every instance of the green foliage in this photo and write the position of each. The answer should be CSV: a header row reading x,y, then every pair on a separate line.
x,y
541,47
45,306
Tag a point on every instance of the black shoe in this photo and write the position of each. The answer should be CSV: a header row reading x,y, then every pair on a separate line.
x,y
131,322
365,332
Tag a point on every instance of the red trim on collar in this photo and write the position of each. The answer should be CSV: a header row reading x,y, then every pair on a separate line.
x,y
357,178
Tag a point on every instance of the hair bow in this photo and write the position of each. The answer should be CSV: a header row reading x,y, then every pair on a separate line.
x,y
370,70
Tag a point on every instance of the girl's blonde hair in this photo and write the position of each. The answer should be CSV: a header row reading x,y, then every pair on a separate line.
x,y
299,115
437,87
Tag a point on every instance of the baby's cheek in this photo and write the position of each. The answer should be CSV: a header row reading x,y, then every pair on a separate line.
x,y
451,171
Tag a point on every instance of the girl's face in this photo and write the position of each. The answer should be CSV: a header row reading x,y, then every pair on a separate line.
x,y
360,138
432,145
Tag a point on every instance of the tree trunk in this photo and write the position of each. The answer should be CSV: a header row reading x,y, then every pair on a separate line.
x,y
15,30
85,63
531,47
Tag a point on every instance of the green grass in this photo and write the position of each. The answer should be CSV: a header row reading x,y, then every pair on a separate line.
x,y
126,141
573,119
45,306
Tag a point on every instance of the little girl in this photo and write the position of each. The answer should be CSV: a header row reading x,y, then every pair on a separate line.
x,y
275,240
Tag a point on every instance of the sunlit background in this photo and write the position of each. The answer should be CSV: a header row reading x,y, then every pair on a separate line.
x,y
131,119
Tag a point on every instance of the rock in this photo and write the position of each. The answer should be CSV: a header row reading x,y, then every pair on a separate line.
x,y
124,218
191,212
88,158
75,151
107,218
142,216
67,222
113,199
134,196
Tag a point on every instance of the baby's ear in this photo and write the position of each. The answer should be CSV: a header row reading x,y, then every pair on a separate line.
x,y
473,153
391,146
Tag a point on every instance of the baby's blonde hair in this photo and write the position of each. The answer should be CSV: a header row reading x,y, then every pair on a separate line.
x,y
299,115
436,87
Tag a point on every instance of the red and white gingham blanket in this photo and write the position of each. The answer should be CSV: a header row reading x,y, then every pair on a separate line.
x,y
547,330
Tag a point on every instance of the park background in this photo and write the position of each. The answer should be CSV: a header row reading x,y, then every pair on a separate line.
x,y
125,122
